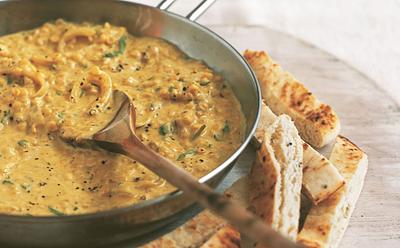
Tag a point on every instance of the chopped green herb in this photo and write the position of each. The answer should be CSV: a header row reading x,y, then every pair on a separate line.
x,y
122,44
58,93
121,48
55,211
60,117
7,181
9,80
171,88
167,128
224,131
6,117
164,129
23,143
28,215
198,132
81,93
226,128
189,153
26,187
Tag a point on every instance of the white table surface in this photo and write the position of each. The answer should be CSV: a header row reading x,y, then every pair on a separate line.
x,y
363,33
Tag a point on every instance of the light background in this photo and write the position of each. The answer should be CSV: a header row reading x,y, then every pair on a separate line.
x,y
365,34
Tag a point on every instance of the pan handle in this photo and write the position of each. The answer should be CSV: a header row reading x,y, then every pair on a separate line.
x,y
200,9
165,4
195,13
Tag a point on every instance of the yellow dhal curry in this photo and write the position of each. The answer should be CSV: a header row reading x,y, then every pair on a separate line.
x,y
63,75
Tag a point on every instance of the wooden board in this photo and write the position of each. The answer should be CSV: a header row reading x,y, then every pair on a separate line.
x,y
369,117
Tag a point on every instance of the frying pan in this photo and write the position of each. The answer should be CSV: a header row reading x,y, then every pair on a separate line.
x,y
116,225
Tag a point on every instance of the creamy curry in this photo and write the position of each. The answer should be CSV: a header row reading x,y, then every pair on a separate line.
x,y
62,75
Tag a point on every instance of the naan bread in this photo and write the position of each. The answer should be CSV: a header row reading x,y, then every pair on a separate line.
x,y
326,223
320,177
317,123
276,176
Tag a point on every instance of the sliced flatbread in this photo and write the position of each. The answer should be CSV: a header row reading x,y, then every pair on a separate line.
x,y
226,237
326,223
276,176
320,177
317,123
267,117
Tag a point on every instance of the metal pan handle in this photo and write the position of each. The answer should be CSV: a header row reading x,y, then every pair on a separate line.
x,y
165,4
195,13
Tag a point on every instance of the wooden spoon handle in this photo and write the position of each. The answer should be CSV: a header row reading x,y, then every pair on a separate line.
x,y
238,216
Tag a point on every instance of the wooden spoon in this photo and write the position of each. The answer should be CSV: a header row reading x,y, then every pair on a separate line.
x,y
119,136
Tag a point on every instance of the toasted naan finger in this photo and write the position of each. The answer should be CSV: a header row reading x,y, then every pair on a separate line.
x,y
326,223
317,123
320,177
226,237
276,176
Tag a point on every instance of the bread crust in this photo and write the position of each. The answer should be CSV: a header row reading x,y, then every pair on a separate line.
x,y
317,123
326,223
265,184
320,176
276,176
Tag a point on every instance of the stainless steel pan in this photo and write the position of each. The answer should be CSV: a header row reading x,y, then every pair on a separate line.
x,y
116,225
